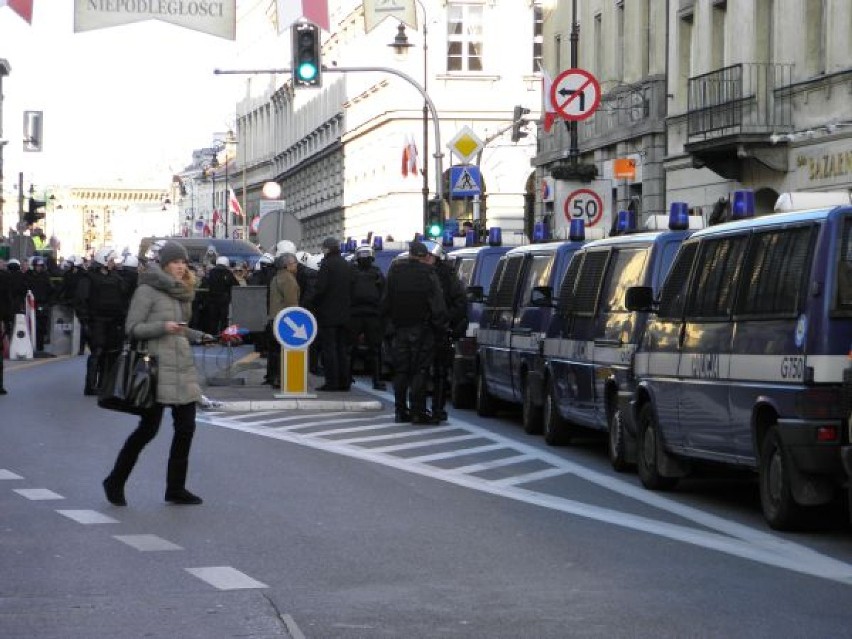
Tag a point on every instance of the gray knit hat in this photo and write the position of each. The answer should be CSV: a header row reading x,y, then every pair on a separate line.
x,y
171,252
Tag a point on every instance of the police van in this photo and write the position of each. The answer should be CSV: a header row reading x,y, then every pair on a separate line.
x,y
206,250
742,361
511,327
587,372
475,266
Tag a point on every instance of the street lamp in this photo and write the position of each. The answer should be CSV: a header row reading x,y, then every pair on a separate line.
x,y
401,45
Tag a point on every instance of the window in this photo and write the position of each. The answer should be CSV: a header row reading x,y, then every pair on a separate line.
x,y
502,294
776,272
717,26
684,60
716,276
589,283
464,37
538,274
844,268
597,37
619,41
815,33
464,267
626,268
673,295
569,280
538,38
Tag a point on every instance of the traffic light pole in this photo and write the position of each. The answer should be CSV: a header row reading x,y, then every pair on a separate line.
x,y
438,155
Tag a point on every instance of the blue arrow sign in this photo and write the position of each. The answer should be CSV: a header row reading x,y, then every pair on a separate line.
x,y
295,327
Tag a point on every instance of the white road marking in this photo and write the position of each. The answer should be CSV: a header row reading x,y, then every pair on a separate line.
x,y
225,578
425,443
147,543
731,537
37,494
290,418
355,429
461,452
494,463
8,474
88,517
323,422
407,434
545,473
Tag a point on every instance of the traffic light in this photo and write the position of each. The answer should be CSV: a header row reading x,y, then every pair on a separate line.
x,y
33,214
307,59
435,220
518,121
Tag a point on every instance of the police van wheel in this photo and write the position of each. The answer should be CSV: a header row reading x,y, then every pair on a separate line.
x,y
776,495
484,400
646,458
617,443
530,414
556,431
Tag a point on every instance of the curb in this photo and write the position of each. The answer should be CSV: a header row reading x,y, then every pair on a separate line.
x,y
292,404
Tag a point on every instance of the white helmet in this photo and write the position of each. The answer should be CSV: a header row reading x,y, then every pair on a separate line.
x,y
103,256
153,252
223,261
303,256
267,259
285,246
313,262
76,260
130,261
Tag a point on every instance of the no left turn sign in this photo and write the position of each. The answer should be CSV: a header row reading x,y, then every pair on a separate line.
x,y
575,94
584,204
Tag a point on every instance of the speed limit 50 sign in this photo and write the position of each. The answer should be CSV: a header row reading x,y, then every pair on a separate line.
x,y
590,202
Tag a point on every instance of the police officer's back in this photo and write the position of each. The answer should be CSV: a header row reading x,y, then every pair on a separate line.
x,y
368,288
414,305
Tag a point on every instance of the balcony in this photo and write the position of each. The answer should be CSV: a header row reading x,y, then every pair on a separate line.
x,y
733,111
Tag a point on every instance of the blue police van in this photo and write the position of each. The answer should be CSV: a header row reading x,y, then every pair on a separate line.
x,y
475,266
743,360
511,327
586,379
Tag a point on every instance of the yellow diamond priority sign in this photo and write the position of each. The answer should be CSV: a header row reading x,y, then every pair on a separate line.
x,y
465,145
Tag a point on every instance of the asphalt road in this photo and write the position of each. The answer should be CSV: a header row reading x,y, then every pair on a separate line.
x,y
334,524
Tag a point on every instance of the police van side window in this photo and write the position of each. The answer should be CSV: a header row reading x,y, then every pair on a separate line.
x,y
673,294
565,302
776,272
502,293
538,274
715,282
844,268
626,268
589,283
464,267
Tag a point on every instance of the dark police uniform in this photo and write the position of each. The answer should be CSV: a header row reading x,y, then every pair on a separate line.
x,y
331,302
456,303
367,291
414,305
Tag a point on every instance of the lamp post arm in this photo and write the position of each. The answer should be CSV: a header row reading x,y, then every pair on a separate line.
x,y
439,169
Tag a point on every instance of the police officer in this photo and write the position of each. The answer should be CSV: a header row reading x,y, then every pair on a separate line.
x,y
218,283
101,304
37,280
414,305
456,303
332,301
367,291
6,314
129,272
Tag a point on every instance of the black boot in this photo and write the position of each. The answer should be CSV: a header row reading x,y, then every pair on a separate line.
x,y
175,481
114,489
378,384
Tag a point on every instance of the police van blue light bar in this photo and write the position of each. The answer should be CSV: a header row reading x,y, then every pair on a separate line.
x,y
742,204
577,231
495,236
541,232
470,238
679,216
625,222
377,243
447,237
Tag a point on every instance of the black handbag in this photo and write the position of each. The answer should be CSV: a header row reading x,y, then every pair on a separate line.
x,y
130,385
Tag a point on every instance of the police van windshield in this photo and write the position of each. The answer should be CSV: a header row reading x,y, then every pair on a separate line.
x,y
844,268
486,269
464,268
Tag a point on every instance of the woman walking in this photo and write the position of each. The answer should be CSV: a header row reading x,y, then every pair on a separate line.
x,y
159,313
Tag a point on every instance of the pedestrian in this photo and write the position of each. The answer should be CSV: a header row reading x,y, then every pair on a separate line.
x,y
283,293
37,280
331,302
6,316
367,291
101,305
218,283
307,270
456,304
159,313
414,307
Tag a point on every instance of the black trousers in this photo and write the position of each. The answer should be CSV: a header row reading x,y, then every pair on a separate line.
x,y
183,417
42,324
335,356
371,327
412,357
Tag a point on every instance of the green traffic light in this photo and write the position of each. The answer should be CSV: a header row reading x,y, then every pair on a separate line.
x,y
307,71
434,230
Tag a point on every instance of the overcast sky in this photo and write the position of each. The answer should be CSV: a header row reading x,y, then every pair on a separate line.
x,y
127,103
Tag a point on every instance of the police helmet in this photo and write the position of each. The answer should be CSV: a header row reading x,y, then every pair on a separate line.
x,y
130,261
76,260
14,264
434,248
223,261
36,260
285,246
103,256
303,256
266,259
331,244
364,252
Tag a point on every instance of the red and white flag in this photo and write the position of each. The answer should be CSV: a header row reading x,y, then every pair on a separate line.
x,y
234,203
549,110
289,11
23,8
216,217
409,157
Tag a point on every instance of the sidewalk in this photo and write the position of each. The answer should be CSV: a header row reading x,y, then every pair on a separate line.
x,y
241,388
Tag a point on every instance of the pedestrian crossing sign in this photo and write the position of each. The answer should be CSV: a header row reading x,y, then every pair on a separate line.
x,y
465,181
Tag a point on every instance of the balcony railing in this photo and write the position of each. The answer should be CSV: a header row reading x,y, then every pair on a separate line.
x,y
742,98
